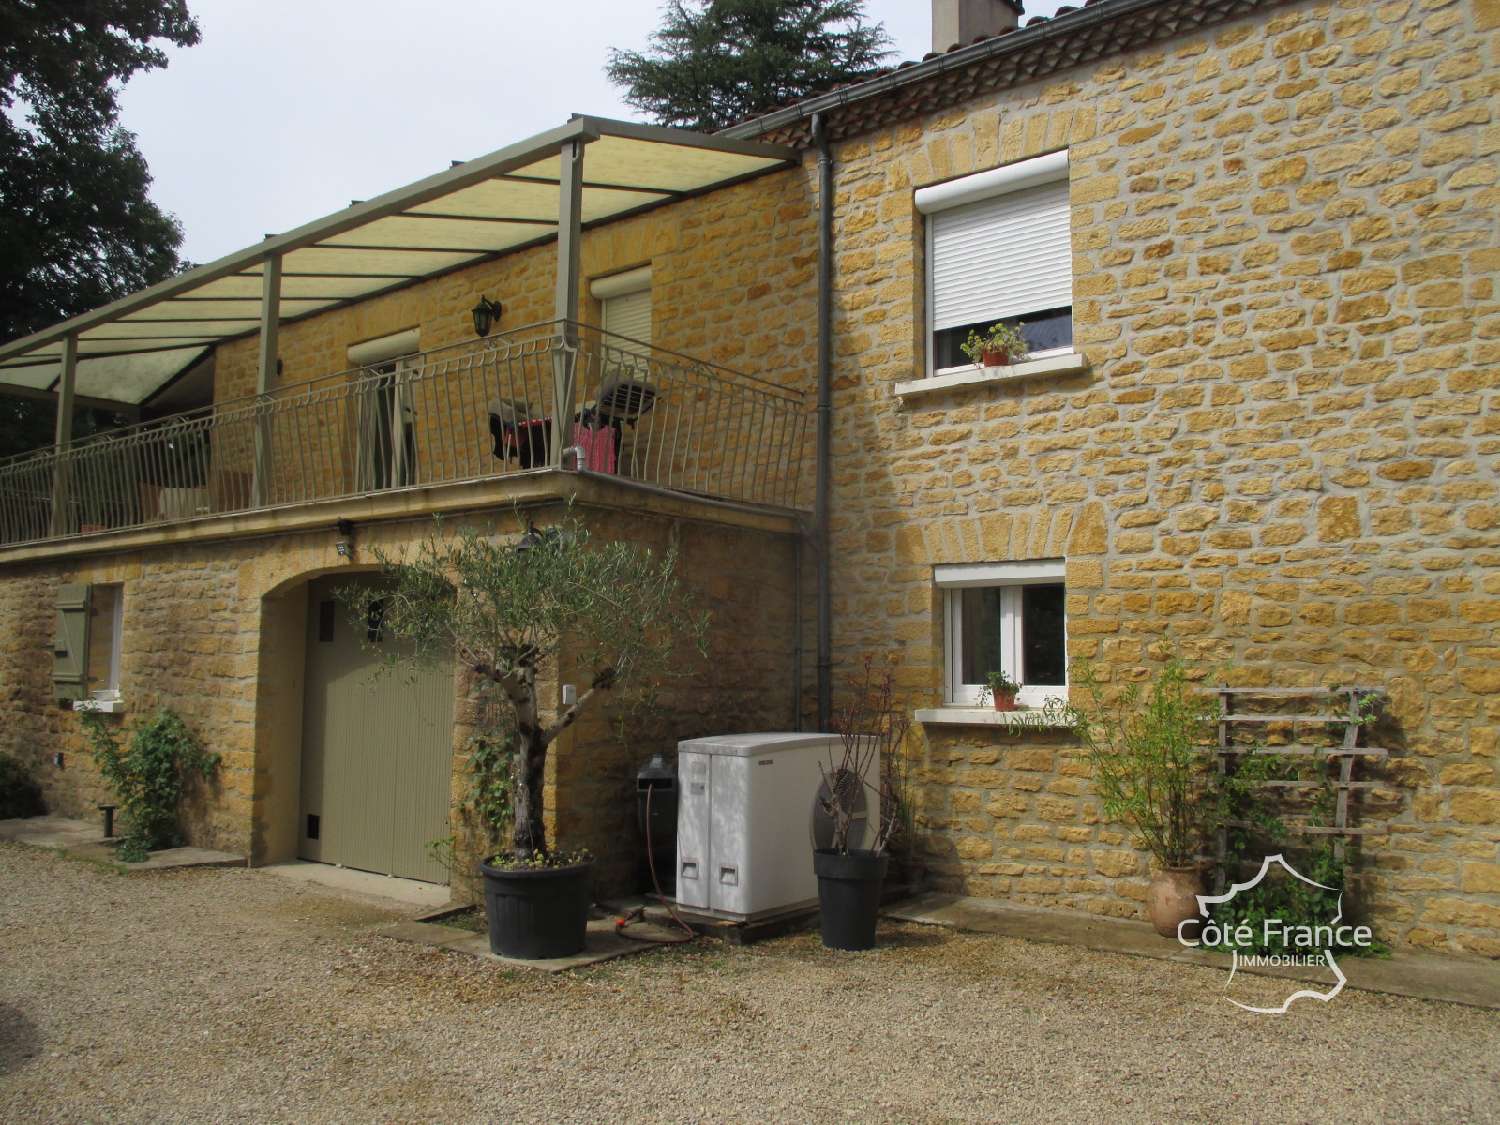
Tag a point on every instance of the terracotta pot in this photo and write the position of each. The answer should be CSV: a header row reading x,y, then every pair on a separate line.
x,y
995,357
1005,701
1172,898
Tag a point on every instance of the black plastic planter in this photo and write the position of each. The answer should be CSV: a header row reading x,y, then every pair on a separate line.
x,y
537,913
849,896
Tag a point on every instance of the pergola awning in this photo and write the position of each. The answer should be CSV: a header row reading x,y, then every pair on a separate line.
x,y
129,350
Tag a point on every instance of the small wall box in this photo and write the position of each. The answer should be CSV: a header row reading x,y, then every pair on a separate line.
x,y
745,818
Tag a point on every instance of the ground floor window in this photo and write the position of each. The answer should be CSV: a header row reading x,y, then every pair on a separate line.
x,y
105,641
1007,617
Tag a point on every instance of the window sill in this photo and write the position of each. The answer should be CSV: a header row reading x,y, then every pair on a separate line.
x,y
1028,718
1069,363
100,706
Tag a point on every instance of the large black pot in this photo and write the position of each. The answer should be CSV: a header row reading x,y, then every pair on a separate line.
x,y
536,913
849,896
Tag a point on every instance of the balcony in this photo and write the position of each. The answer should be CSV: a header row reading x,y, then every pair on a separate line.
x,y
555,396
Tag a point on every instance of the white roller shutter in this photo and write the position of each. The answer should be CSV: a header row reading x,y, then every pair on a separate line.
x,y
1002,257
629,314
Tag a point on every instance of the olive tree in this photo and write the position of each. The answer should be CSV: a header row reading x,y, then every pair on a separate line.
x,y
504,609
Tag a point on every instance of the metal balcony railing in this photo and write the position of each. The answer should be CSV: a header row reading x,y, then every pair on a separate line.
x,y
551,396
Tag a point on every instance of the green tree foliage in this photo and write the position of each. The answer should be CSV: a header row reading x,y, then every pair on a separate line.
x,y
503,613
715,62
77,229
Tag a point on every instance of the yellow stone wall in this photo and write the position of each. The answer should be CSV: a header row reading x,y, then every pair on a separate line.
x,y
201,637
732,282
1281,462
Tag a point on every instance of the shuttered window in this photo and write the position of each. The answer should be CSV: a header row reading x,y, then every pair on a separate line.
x,y
625,305
1000,249
70,645
1002,257
629,314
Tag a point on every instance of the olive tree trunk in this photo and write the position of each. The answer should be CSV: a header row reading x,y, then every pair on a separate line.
x,y
529,767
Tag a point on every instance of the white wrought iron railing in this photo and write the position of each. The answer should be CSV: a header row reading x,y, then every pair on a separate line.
x,y
550,396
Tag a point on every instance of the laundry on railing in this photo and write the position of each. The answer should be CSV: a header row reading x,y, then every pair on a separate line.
x,y
599,444
527,442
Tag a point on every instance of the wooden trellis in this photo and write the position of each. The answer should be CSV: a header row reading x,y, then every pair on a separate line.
x,y
1342,705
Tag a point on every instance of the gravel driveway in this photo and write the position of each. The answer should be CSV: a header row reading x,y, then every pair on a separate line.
x,y
237,996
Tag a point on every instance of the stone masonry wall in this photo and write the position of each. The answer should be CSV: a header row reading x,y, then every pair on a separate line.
x,y
193,642
1281,461
732,282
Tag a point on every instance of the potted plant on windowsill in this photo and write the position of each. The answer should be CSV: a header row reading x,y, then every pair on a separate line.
x,y
871,726
1000,345
1000,688
502,611
1151,758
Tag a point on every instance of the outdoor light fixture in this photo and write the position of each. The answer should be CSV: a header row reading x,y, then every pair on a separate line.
x,y
537,537
486,313
533,538
344,545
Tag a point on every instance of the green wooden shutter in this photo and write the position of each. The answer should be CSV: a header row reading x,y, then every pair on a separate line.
x,y
70,646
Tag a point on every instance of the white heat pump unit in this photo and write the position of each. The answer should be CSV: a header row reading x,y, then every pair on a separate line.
x,y
746,820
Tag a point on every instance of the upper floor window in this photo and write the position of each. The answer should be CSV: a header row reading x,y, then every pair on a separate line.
x,y
1007,617
387,413
999,248
625,305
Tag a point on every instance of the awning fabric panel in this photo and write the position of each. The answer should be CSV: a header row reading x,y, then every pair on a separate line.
x,y
478,209
122,378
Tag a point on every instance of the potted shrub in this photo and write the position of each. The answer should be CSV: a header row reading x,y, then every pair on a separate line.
x,y
503,610
999,345
1000,688
1151,757
871,726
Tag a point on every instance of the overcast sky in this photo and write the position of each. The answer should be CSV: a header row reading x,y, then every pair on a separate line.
x,y
289,109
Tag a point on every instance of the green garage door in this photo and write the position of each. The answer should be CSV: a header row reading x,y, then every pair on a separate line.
x,y
377,749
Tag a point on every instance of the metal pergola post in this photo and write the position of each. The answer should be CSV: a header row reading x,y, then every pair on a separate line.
x,y
63,434
265,376
569,243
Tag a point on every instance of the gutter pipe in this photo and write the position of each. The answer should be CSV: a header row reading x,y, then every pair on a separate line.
x,y
825,422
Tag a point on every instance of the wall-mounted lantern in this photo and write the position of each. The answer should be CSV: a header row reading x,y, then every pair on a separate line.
x,y
486,313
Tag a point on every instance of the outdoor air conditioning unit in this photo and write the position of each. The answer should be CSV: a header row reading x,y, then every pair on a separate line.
x,y
747,817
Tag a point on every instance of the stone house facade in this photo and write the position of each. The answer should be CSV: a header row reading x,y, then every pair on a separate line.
x,y
1266,444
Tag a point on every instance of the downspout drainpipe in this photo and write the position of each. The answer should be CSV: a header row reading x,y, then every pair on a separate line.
x,y
797,632
825,422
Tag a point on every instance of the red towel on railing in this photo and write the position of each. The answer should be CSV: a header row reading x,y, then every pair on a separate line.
x,y
598,445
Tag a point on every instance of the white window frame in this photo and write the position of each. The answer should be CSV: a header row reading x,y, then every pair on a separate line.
x,y
396,354
1010,577
972,189
110,682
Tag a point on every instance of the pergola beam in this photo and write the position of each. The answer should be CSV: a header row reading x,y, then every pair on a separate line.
x,y
63,434
569,246
265,375
270,323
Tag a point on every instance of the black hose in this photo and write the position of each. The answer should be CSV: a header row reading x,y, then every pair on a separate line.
x,y
632,917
